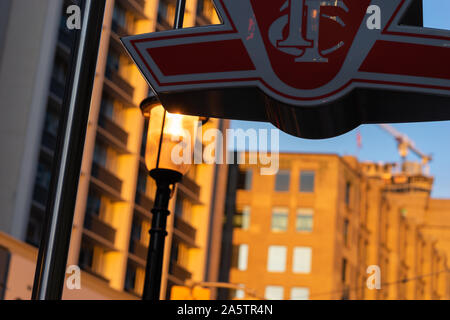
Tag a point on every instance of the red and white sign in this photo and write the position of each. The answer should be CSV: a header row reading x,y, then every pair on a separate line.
x,y
312,67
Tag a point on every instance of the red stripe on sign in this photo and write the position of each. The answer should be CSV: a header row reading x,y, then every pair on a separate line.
x,y
203,57
408,59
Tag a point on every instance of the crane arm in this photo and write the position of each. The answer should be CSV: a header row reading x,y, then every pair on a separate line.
x,y
405,142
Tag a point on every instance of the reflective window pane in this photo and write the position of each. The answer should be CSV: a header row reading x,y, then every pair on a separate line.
x,y
304,220
298,293
274,293
307,181
280,217
241,219
282,180
245,180
302,260
276,261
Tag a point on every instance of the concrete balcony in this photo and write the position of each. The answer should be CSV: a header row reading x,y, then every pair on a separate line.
x,y
106,177
120,82
40,195
179,271
57,88
190,189
185,228
118,29
138,249
93,223
114,129
143,201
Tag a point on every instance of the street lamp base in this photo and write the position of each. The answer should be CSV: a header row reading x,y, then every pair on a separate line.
x,y
165,182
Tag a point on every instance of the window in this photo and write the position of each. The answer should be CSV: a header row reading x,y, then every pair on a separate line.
x,y
344,270
274,293
119,15
130,278
298,293
276,261
302,260
282,180
348,192
280,218
206,9
240,257
51,123
86,258
44,175
5,257
307,181
142,182
245,180
179,206
243,257
60,71
144,138
345,231
100,154
113,61
238,294
93,203
241,220
107,107
304,221
166,13
136,230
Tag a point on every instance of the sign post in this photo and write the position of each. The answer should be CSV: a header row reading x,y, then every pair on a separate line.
x,y
313,68
54,246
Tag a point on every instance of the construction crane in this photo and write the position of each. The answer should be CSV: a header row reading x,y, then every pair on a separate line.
x,y
405,144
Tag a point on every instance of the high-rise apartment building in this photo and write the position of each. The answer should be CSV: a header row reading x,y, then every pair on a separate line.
x,y
112,216
324,225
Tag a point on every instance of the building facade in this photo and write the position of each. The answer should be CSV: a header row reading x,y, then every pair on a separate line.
x,y
329,227
112,216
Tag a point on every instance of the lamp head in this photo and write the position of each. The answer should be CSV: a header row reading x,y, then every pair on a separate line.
x,y
171,137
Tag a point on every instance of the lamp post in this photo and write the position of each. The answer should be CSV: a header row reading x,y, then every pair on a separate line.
x,y
168,135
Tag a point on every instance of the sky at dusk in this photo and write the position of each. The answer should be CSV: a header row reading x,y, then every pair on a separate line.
x,y
431,137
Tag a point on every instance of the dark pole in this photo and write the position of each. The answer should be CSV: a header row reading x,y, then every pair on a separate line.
x,y
54,247
165,182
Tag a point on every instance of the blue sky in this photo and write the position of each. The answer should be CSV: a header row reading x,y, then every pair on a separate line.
x,y
430,137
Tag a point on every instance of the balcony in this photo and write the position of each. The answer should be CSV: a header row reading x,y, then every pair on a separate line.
x,y
190,189
135,6
92,272
179,272
121,83
106,177
57,88
66,37
113,129
118,29
48,140
138,249
143,201
141,3
163,24
185,228
40,195
93,223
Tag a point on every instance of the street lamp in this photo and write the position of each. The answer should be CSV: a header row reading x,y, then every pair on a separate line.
x,y
169,135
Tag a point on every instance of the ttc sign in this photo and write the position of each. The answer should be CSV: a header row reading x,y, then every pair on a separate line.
x,y
314,68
